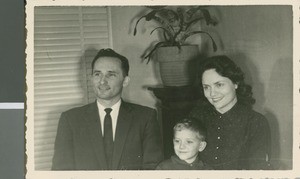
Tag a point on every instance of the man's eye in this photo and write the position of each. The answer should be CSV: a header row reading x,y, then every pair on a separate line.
x,y
111,75
96,74
220,84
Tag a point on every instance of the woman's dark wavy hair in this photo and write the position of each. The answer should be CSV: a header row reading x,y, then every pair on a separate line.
x,y
225,67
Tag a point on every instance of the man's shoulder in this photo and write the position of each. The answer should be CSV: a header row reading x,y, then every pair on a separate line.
x,y
79,109
138,107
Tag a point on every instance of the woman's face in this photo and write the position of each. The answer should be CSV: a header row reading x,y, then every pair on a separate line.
x,y
219,90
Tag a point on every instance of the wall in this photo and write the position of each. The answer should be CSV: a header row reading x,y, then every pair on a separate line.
x,y
141,73
258,38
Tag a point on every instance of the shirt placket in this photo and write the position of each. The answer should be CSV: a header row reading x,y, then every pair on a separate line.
x,y
219,139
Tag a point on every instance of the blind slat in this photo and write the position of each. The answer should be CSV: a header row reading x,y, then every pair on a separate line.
x,y
46,30
55,10
56,17
58,48
41,93
56,36
51,42
73,23
49,61
58,109
57,103
50,55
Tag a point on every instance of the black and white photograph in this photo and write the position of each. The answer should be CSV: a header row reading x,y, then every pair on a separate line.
x,y
162,90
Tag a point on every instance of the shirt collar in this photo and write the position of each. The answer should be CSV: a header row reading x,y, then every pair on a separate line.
x,y
196,162
114,107
233,110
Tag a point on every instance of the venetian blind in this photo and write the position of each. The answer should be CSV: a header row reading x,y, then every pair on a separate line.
x,y
66,38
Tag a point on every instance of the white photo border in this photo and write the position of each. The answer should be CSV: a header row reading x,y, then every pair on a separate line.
x,y
29,133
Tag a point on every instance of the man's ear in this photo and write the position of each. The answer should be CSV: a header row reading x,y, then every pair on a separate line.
x,y
202,146
90,77
126,81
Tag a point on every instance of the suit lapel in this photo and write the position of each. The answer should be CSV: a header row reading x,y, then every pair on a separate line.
x,y
95,133
123,125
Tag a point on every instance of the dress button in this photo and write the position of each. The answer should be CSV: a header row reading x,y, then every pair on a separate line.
x,y
220,117
219,128
216,158
219,137
217,147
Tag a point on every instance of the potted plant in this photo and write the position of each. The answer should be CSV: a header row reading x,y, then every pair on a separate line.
x,y
174,54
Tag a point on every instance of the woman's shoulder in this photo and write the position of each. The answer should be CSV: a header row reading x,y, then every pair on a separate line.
x,y
249,111
254,117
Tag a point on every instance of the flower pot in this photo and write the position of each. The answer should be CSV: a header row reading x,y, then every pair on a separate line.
x,y
177,66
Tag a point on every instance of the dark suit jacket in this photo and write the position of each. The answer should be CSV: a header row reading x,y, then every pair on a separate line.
x,y
79,143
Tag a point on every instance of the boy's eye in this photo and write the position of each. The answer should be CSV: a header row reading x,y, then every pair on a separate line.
x,y
190,142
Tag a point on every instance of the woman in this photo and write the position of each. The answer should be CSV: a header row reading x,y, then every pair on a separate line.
x,y
237,136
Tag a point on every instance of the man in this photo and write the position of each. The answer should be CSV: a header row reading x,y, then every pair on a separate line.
x,y
109,134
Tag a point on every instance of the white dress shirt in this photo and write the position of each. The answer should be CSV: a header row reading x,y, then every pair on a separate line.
x,y
114,116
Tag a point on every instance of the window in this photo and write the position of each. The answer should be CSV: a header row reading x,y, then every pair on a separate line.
x,y
66,38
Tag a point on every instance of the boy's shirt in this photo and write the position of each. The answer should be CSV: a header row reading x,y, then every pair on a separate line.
x,y
175,163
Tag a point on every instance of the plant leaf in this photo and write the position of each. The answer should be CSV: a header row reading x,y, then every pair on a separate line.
x,y
202,32
205,13
134,32
148,17
193,21
207,17
181,24
148,56
166,31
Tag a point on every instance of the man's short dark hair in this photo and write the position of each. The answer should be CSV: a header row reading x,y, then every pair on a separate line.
x,y
111,53
192,124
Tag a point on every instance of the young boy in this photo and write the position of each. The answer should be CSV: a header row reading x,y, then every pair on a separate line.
x,y
189,140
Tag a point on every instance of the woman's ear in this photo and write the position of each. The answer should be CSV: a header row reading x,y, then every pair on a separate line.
x,y
202,146
236,86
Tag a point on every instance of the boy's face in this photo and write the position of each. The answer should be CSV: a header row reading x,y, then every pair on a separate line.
x,y
187,144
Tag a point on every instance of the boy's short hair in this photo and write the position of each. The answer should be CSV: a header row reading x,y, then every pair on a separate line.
x,y
193,125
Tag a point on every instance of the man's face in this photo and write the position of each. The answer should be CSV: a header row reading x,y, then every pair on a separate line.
x,y
108,80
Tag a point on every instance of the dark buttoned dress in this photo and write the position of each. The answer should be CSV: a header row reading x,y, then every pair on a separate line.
x,y
238,139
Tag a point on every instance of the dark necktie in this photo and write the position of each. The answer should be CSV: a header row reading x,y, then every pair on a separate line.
x,y
108,137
